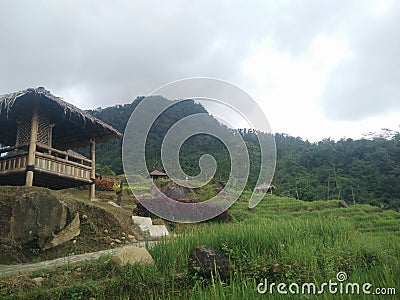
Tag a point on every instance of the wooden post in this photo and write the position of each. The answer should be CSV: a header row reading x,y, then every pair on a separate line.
x,y
50,137
32,147
92,189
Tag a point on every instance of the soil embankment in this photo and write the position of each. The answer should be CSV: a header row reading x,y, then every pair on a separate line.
x,y
31,219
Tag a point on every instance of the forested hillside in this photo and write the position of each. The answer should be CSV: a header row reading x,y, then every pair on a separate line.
x,y
358,171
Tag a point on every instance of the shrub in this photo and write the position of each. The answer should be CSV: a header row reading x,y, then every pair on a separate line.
x,y
104,184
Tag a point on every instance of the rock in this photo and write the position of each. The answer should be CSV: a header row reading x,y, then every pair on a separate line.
x,y
175,190
113,204
74,242
275,269
158,231
105,231
154,232
132,238
343,204
141,220
112,243
144,227
38,280
123,238
71,231
117,241
36,216
204,260
131,255
84,217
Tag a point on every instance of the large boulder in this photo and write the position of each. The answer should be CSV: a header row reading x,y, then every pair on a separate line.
x,y
68,233
207,261
36,217
175,190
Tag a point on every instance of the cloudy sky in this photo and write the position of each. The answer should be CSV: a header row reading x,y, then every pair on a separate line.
x,y
318,69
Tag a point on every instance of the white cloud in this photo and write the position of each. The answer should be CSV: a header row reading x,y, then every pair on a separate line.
x,y
289,87
312,65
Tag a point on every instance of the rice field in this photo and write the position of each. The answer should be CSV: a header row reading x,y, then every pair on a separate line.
x,y
283,240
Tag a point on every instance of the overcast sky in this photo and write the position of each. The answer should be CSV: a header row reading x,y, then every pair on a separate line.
x,y
318,69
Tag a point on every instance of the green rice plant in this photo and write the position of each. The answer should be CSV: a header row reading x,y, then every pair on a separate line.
x,y
140,188
277,240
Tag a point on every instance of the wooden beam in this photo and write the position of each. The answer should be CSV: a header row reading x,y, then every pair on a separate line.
x,y
92,189
32,146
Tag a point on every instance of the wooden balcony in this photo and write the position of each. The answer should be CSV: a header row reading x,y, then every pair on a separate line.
x,y
53,168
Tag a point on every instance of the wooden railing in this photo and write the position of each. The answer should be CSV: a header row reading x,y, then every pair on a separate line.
x,y
49,160
61,167
13,164
63,154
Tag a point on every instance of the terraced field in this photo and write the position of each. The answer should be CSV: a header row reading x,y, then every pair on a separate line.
x,y
365,218
282,240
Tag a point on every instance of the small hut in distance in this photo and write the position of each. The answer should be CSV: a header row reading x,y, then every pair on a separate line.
x,y
265,188
157,174
37,131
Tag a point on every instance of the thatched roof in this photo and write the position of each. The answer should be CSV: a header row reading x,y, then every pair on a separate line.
x,y
73,126
157,173
264,186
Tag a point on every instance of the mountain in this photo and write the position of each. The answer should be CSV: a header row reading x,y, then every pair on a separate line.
x,y
358,171
109,155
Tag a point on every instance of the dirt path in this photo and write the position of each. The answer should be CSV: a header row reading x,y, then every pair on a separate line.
x,y
8,270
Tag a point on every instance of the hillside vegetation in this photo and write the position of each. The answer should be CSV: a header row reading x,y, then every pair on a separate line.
x,y
283,239
358,171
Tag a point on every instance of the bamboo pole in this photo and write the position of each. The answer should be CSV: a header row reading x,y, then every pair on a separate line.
x,y
32,147
50,137
92,190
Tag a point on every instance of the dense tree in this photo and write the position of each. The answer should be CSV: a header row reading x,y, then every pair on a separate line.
x,y
359,171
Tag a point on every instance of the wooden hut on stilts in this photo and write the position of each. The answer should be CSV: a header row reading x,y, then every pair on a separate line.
x,y
37,131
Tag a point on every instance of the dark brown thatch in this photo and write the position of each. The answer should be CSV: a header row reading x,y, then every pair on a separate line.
x,y
73,127
157,173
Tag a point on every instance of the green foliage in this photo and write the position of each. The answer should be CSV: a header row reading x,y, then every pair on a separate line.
x,y
104,170
358,171
162,182
307,245
308,241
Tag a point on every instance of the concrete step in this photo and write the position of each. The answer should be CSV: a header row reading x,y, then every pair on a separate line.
x,y
142,220
154,232
150,231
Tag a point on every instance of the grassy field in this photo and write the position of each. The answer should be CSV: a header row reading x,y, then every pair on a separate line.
x,y
282,239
